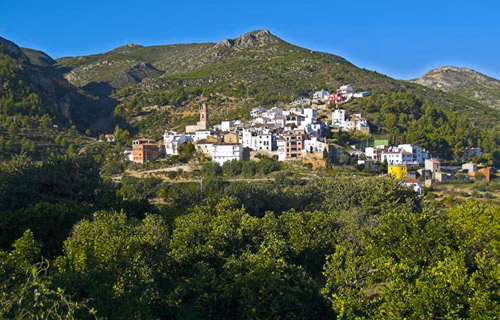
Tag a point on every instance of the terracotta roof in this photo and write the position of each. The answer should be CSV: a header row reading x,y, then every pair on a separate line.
x,y
204,141
295,115
412,180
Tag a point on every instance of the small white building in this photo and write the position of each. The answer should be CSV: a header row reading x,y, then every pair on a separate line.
x,y
346,89
314,144
415,184
172,140
419,155
314,128
226,126
321,95
433,165
204,147
222,153
361,94
310,114
338,118
396,157
273,113
263,140
261,120
201,135
470,167
295,119
129,155
255,112
281,144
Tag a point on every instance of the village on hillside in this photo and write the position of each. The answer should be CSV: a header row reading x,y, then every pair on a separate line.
x,y
296,133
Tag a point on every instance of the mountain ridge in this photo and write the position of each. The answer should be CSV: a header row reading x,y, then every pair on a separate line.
x,y
465,82
257,65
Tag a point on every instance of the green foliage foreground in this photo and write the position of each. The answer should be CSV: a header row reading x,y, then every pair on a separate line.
x,y
332,249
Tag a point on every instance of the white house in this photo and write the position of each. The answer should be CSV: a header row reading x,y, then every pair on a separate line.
x,y
415,184
314,144
263,140
129,155
226,126
254,113
356,122
470,167
310,114
396,157
338,118
295,119
419,155
433,165
222,153
321,95
361,94
273,113
314,128
345,89
205,147
172,140
201,135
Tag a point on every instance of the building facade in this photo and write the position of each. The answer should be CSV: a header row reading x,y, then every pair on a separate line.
x,y
222,153
144,150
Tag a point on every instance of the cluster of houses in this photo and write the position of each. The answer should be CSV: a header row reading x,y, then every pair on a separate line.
x,y
293,134
297,133
342,95
433,171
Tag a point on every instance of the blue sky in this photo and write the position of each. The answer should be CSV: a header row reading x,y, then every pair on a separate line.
x,y
401,38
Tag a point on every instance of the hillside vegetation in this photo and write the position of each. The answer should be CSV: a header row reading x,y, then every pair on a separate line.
x,y
464,82
256,65
75,247
40,113
148,89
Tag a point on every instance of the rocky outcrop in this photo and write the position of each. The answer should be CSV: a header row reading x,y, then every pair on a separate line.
x,y
249,40
126,48
465,82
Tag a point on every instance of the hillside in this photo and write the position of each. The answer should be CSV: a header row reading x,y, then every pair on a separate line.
x,y
464,82
38,58
255,68
148,89
40,112
256,56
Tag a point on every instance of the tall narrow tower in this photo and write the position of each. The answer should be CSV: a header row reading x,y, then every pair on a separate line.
x,y
204,123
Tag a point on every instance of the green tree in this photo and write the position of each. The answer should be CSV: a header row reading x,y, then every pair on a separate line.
x,y
27,289
121,266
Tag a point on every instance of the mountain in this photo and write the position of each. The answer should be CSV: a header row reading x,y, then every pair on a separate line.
x,y
117,68
254,68
68,102
40,111
38,58
146,89
251,56
464,82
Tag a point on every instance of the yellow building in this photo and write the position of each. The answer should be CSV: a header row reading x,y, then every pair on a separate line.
x,y
397,171
231,138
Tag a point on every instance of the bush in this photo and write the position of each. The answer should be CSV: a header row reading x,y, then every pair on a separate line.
x,y
211,170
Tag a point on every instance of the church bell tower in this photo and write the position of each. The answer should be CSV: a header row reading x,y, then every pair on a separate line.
x,y
204,123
